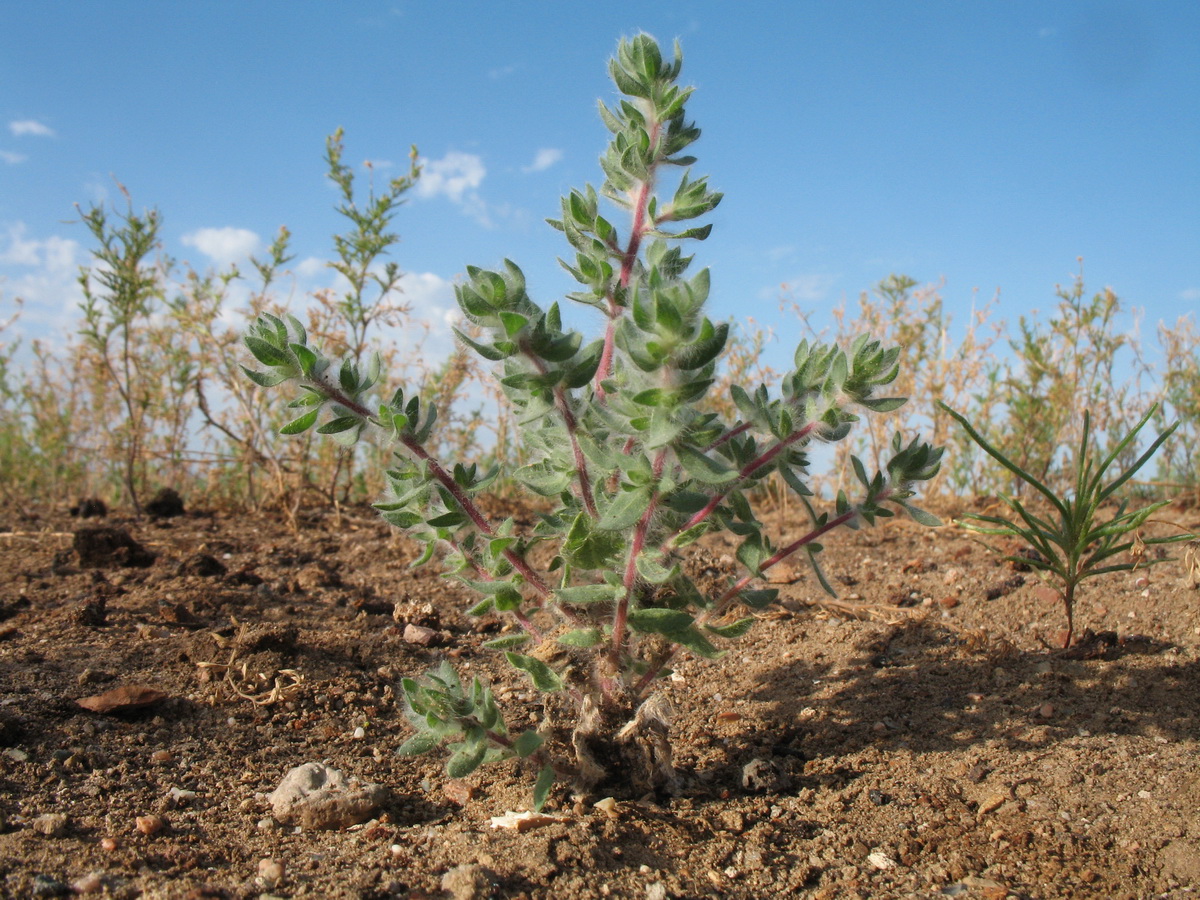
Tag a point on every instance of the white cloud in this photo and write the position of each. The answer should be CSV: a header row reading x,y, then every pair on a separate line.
x,y
1190,295
310,266
12,159
454,175
30,128
223,245
44,274
501,72
543,159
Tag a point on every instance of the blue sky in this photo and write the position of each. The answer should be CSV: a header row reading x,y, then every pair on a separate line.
x,y
984,144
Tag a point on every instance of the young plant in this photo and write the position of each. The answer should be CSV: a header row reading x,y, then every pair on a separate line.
x,y
121,294
632,469
1071,543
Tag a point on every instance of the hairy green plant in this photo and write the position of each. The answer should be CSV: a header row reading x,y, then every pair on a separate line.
x,y
1072,543
632,467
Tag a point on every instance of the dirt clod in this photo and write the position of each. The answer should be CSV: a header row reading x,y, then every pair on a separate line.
x,y
165,504
104,547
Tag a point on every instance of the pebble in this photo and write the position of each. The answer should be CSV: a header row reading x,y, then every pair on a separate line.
x,y
419,634
467,882
270,872
881,860
360,733
656,891
1047,710
763,775
150,825
109,844
91,883
317,796
162,757
45,886
458,791
50,824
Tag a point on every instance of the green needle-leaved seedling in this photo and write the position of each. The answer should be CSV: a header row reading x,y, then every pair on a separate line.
x,y
1071,542
631,467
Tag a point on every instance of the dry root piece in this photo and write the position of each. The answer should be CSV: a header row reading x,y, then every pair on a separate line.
x,y
237,679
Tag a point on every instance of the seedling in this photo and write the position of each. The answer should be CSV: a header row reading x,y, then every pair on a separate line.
x,y
631,466
1071,542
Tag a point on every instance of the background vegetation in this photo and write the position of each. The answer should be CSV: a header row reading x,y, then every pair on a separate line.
x,y
148,391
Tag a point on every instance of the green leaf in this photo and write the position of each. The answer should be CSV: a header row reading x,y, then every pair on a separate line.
x,y
338,425
307,358
625,509
527,742
418,744
467,760
507,642
544,678
585,594
921,516
266,353
703,468
487,351
581,637
302,424
542,478
452,519
263,379
759,599
541,789
696,642
659,621
653,571
734,630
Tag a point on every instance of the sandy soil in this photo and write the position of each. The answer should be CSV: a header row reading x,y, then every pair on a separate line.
x,y
918,738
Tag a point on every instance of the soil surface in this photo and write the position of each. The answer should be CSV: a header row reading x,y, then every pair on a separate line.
x,y
918,737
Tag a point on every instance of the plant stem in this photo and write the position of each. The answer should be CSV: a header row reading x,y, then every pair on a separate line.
x,y
621,617
572,426
746,471
447,481
727,599
628,261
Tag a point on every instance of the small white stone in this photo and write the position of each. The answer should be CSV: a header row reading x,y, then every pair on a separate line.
x,y
881,860
360,733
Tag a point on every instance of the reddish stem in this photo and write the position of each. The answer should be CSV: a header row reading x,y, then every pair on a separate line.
x,y
628,261
621,617
572,426
726,600
746,471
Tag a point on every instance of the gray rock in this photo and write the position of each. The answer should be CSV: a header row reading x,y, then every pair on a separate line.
x,y
318,797
764,775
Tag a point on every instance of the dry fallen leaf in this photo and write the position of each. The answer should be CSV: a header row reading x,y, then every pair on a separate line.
x,y
129,696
